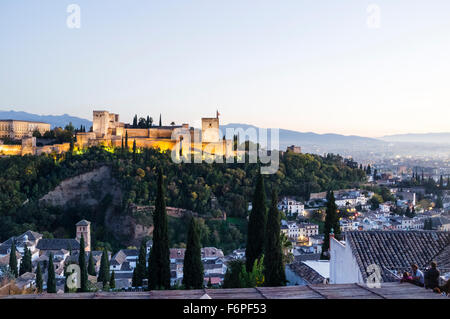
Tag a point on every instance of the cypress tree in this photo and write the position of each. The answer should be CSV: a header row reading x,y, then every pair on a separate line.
x,y
13,260
39,281
256,225
193,266
331,222
28,262
135,121
112,283
134,279
25,263
51,281
160,121
103,273
82,264
91,265
159,259
126,140
66,274
21,266
134,150
141,268
273,258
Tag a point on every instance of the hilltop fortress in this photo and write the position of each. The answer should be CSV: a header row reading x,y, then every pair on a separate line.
x,y
107,130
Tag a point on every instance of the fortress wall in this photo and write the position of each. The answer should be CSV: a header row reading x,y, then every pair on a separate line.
x,y
57,148
10,149
136,132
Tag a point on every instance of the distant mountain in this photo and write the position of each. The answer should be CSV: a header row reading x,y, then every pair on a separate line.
x,y
288,137
358,147
53,120
433,138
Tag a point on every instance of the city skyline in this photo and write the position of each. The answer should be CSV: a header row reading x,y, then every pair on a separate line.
x,y
309,67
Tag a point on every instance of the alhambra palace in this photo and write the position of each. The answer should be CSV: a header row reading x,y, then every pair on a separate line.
x,y
108,131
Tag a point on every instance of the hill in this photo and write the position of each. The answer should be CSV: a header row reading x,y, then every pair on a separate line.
x,y
317,143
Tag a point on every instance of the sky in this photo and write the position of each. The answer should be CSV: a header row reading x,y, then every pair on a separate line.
x,y
322,66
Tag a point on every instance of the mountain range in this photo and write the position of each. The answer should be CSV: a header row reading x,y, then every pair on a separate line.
x,y
53,120
348,145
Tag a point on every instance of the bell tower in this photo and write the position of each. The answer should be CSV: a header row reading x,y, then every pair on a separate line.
x,y
84,229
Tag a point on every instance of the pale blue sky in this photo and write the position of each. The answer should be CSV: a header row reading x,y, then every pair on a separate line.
x,y
306,65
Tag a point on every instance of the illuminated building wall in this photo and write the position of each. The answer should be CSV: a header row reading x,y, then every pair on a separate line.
x,y
18,129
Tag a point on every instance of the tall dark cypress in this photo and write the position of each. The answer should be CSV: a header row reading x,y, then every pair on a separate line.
x,y
103,273
13,260
256,225
193,266
91,265
82,264
331,223
160,121
142,260
112,280
21,266
39,280
273,258
126,140
51,281
25,263
134,150
159,259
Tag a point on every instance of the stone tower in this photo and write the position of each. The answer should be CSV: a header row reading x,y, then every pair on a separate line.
x,y
210,129
84,229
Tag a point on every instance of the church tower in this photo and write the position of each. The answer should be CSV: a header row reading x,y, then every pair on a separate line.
x,y
84,229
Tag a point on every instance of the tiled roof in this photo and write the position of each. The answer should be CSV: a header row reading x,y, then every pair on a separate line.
x,y
130,252
31,236
58,243
443,259
83,222
304,257
211,252
306,273
177,253
395,250
119,258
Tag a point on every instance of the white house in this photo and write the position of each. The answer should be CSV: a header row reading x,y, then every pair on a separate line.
x,y
291,206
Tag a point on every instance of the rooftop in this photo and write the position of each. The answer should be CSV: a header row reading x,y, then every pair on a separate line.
x,y
345,291
397,250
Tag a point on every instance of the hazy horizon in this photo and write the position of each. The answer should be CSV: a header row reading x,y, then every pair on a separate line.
x,y
305,66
